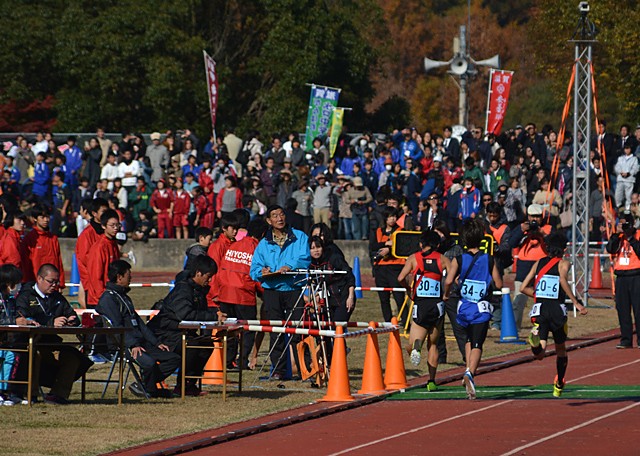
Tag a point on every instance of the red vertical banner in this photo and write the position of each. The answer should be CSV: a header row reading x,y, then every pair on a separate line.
x,y
212,87
499,87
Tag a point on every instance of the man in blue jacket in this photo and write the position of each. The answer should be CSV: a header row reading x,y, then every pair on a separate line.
x,y
283,249
470,200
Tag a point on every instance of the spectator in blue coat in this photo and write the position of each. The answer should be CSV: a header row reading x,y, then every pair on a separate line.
x,y
407,145
41,176
470,200
73,156
351,157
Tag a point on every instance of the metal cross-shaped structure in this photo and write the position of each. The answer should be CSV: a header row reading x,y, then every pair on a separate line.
x,y
583,39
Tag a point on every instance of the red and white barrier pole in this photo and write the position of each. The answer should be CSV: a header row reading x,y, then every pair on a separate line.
x,y
307,324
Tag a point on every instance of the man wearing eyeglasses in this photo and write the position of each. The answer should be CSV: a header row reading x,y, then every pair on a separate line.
x,y
41,304
103,253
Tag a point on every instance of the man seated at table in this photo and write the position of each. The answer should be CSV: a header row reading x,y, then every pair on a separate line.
x,y
41,304
187,302
155,359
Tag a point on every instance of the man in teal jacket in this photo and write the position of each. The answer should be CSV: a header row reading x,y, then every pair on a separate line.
x,y
282,249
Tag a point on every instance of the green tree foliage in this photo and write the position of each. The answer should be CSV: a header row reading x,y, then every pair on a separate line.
x,y
137,64
615,55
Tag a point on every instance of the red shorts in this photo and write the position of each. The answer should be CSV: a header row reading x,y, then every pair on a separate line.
x,y
180,220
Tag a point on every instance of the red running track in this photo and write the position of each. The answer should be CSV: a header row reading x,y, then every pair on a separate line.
x,y
482,427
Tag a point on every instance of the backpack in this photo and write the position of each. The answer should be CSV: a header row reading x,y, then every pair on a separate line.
x,y
244,155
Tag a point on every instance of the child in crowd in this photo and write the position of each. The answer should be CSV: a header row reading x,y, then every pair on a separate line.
x,y
182,202
203,237
144,228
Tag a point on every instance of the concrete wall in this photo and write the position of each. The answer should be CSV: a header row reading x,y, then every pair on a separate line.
x,y
160,255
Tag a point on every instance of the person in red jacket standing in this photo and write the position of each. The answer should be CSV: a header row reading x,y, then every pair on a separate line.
x,y
92,210
208,218
229,225
238,297
181,204
162,204
200,204
104,252
10,246
40,247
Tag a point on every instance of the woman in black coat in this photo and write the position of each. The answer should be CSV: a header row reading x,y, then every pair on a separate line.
x,y
92,158
340,287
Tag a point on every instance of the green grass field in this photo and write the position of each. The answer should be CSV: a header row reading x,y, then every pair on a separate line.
x,y
100,426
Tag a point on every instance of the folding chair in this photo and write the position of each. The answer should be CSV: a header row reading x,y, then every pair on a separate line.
x,y
130,368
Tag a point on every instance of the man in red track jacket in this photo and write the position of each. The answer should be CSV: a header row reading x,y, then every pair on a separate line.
x,y
229,224
90,235
103,253
162,204
10,246
238,295
40,247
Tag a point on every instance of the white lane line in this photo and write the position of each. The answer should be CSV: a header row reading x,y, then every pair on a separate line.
x,y
603,371
487,408
421,428
571,429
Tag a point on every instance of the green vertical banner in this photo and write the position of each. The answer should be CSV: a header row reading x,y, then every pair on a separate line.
x,y
336,129
322,102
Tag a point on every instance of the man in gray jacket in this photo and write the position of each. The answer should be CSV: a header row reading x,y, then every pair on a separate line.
x,y
158,156
322,201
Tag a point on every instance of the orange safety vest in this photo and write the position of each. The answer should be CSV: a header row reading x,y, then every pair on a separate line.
x,y
498,232
626,258
531,249
388,260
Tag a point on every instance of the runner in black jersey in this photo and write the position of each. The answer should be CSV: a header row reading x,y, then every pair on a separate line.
x,y
547,284
425,269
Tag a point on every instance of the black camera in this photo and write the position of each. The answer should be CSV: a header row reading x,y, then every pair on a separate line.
x,y
377,257
533,225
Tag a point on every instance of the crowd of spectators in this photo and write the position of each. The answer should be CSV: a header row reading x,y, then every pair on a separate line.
x,y
176,182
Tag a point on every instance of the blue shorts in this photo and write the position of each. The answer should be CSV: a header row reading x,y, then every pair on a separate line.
x,y
471,313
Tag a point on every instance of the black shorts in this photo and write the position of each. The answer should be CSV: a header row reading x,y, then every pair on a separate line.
x,y
552,319
427,314
477,334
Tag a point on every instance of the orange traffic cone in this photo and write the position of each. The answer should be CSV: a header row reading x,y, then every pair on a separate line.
x,y
338,389
596,275
214,363
395,377
372,382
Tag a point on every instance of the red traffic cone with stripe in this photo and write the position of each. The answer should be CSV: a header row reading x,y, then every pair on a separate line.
x,y
214,364
395,377
338,389
372,382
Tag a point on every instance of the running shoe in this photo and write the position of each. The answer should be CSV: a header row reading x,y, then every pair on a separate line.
x,y
53,399
98,359
469,385
534,336
431,386
137,390
132,257
415,357
557,387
